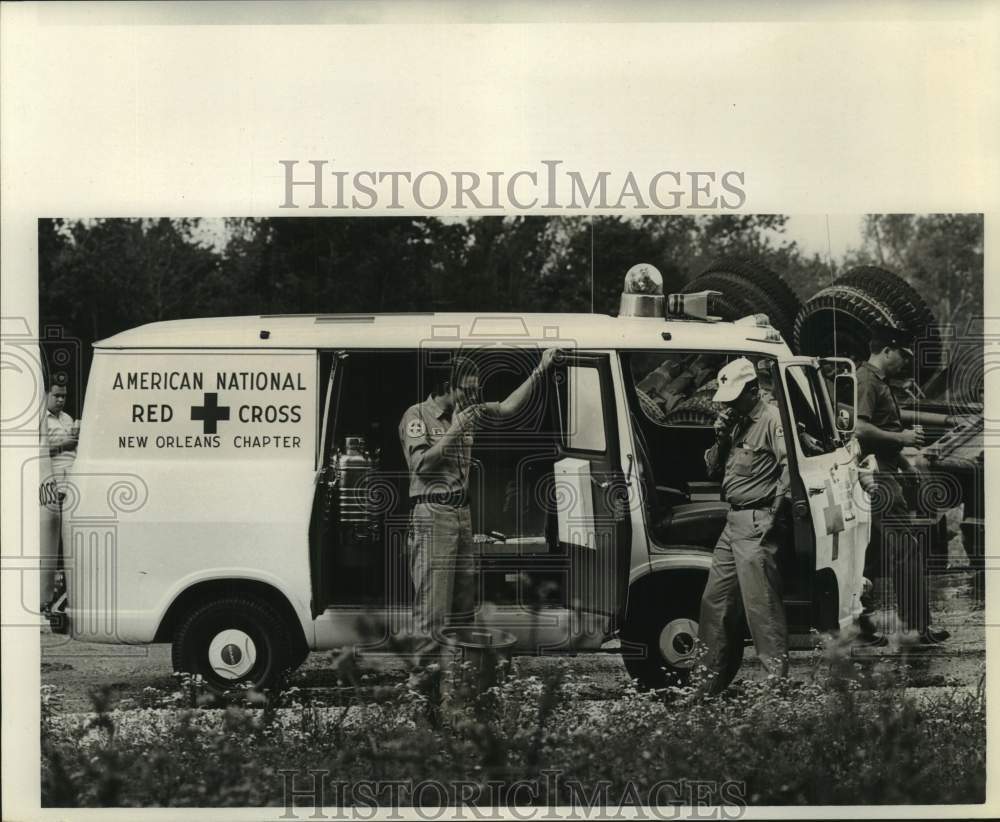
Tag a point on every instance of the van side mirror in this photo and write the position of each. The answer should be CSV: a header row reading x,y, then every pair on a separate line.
x,y
844,402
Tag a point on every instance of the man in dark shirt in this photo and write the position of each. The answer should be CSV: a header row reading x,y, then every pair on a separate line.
x,y
880,432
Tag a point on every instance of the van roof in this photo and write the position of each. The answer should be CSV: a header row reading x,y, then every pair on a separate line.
x,y
283,331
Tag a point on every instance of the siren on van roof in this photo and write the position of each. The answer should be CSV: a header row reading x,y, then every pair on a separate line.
x,y
642,296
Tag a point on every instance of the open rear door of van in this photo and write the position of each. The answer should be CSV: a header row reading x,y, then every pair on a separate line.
x,y
324,519
824,479
590,490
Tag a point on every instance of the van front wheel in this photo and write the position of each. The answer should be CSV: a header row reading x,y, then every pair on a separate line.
x,y
658,644
233,642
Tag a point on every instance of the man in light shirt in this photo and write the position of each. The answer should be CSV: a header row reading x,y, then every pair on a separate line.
x,y
60,433
61,430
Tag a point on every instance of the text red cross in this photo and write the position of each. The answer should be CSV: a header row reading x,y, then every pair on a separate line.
x,y
210,413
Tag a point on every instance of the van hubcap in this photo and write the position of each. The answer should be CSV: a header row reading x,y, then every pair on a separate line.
x,y
232,653
677,640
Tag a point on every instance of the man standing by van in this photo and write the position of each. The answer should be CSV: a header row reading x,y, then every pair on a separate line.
x,y
880,432
437,438
744,579
59,438
61,430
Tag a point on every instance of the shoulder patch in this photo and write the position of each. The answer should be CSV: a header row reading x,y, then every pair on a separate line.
x,y
415,428
779,430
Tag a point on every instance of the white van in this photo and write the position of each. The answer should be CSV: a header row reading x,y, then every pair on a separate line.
x,y
240,489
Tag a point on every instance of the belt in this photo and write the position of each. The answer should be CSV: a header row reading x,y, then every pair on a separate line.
x,y
454,499
752,506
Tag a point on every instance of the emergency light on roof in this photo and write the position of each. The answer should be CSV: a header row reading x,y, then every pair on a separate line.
x,y
642,294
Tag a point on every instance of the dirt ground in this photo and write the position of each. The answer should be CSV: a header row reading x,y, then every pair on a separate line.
x,y
77,668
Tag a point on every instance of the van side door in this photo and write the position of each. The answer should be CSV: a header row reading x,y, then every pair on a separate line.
x,y
591,494
323,521
824,476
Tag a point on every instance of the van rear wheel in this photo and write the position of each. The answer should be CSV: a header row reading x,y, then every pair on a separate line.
x,y
233,642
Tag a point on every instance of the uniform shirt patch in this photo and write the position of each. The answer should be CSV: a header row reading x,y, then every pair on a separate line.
x,y
415,428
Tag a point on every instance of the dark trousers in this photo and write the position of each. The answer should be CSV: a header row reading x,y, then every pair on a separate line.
x,y
896,552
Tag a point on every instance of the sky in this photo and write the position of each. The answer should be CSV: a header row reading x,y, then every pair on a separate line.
x,y
810,232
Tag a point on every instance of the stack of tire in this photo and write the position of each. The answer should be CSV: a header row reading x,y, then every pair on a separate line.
x,y
838,319
746,287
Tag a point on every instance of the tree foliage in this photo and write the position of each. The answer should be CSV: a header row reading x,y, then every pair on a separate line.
x,y
941,255
99,277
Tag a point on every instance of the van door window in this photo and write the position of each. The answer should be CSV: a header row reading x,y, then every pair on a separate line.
x,y
582,409
814,427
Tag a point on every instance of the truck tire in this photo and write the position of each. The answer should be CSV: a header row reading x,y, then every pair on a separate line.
x,y
741,297
915,314
696,410
649,406
838,320
233,642
658,642
852,305
772,283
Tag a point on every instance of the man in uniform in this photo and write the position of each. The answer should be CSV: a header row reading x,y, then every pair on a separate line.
x,y
880,432
437,438
744,579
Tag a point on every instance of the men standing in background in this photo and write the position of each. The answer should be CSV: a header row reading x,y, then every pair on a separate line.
x,y
894,544
59,437
61,430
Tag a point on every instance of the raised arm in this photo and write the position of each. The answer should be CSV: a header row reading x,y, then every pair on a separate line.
x,y
519,397
715,457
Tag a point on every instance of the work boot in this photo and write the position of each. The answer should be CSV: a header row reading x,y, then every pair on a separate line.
x,y
868,634
931,637
866,640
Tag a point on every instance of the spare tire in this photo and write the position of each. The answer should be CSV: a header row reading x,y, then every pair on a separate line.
x,y
838,319
772,283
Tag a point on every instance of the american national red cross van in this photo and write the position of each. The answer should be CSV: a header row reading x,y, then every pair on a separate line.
x,y
198,406
244,495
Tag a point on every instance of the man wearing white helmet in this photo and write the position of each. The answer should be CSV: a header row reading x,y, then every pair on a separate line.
x,y
749,451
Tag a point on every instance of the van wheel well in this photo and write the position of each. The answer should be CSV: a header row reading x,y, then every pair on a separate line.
x,y
203,592
655,590
661,626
